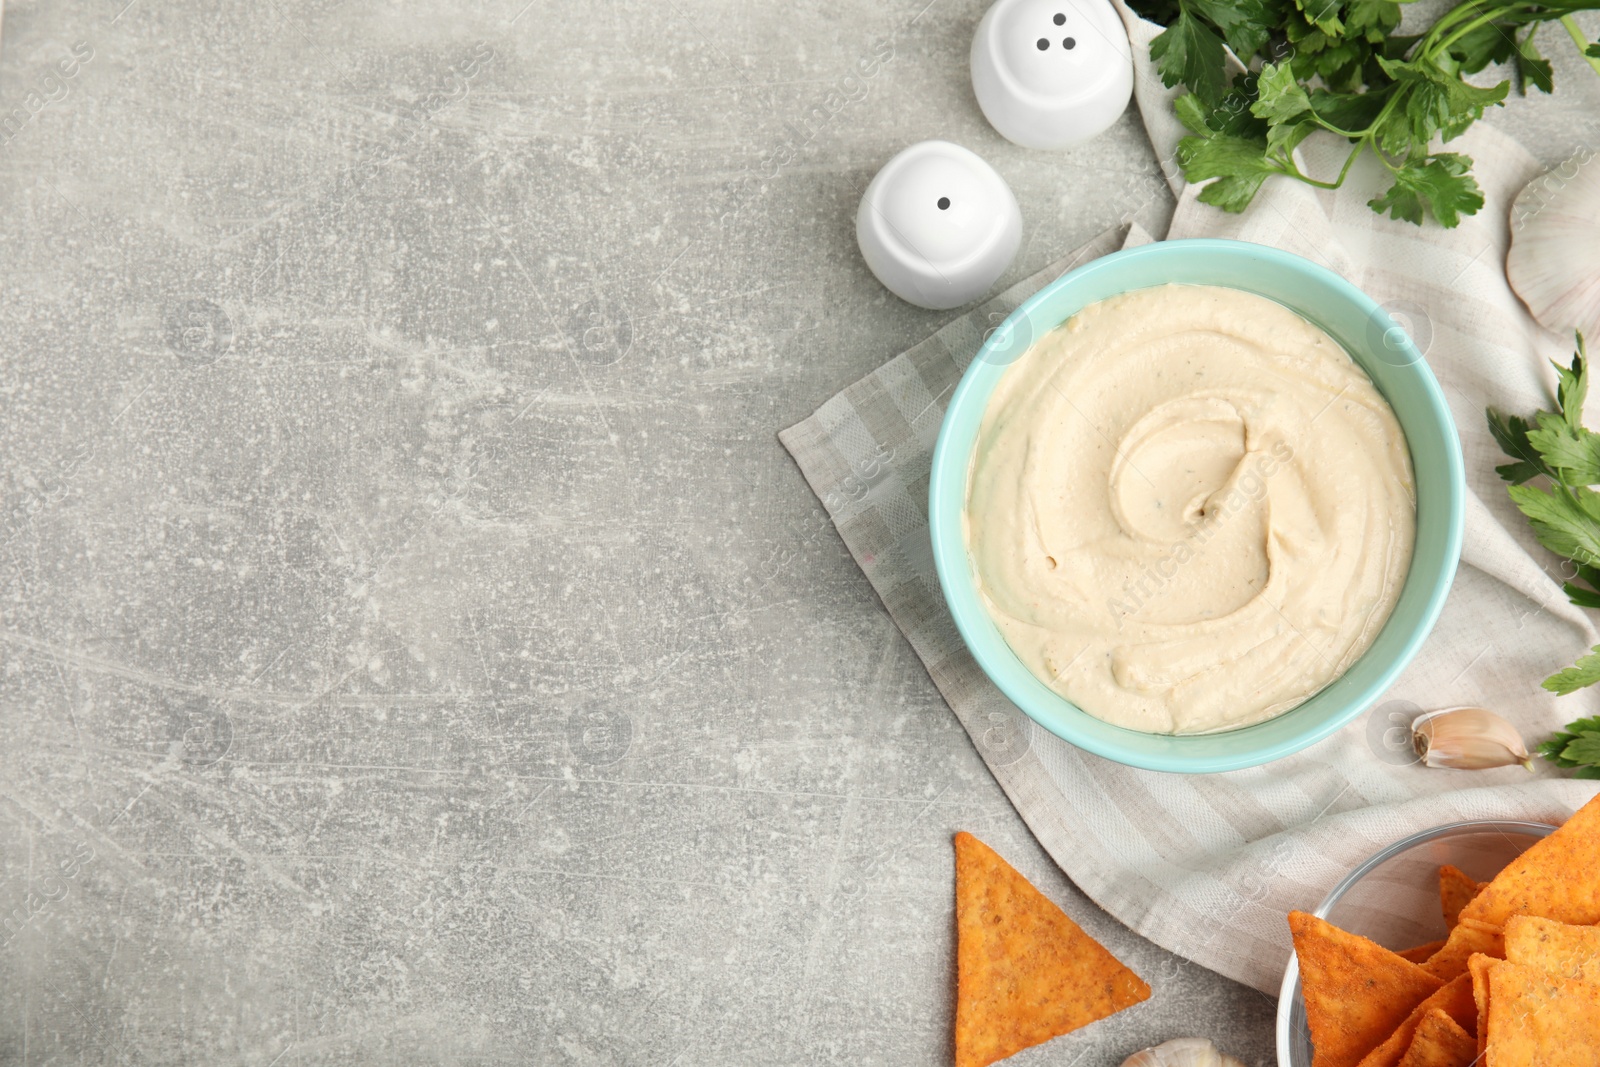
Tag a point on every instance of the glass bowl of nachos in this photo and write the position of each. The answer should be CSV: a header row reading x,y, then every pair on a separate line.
x,y
1408,901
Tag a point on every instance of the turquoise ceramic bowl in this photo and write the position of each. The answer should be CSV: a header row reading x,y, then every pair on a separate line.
x,y
1383,349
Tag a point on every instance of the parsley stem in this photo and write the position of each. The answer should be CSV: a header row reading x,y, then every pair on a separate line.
x,y
1383,158
1361,146
1448,20
1331,128
1477,23
1581,41
1287,168
1377,123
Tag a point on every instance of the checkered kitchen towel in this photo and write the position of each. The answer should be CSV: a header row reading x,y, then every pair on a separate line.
x,y
1207,866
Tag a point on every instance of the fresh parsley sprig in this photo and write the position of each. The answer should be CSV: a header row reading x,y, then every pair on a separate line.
x,y
1337,66
1576,748
1556,448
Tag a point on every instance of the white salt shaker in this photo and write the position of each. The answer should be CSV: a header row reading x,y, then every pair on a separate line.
x,y
1051,73
938,225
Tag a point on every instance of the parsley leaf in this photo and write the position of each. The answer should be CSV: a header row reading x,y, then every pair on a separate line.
x,y
1283,104
1233,114
1336,61
1566,520
1279,97
1576,747
1192,113
1573,453
1438,184
1572,388
1491,42
1323,14
1190,52
1371,20
1239,164
1440,102
1511,434
1245,24
1585,749
1348,111
1285,137
1585,672
1553,748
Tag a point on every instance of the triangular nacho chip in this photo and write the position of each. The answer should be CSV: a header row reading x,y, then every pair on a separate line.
x,y
1562,950
1356,991
1420,953
1469,936
1453,998
1440,1042
1456,890
1538,1020
1545,879
1025,972
1478,969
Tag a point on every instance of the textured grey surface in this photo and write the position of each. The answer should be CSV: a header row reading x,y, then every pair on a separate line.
x,y
417,646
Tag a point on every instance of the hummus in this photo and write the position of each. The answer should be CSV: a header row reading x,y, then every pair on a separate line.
x,y
1188,509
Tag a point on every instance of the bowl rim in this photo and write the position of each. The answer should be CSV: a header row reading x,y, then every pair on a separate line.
x,y
958,585
1289,988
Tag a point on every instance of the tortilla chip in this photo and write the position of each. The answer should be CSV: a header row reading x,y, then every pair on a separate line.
x,y
1420,953
1468,937
1025,972
1564,951
1356,992
1453,998
1478,969
1456,890
1542,881
1440,1042
1539,1020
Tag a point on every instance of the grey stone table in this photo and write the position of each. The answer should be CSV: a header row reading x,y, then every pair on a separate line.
x,y
416,645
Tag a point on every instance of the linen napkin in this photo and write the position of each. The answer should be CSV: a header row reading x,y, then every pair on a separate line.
x,y
1207,866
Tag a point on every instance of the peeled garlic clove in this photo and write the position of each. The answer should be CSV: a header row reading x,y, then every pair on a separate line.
x,y
1468,739
1183,1052
1554,262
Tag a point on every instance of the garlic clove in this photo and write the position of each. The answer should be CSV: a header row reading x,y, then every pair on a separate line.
x,y
1182,1052
1468,739
1554,261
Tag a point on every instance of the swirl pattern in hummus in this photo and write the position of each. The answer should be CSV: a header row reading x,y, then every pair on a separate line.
x,y
1189,510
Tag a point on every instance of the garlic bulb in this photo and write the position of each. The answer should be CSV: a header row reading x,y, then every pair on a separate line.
x,y
1554,262
1468,739
1183,1052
